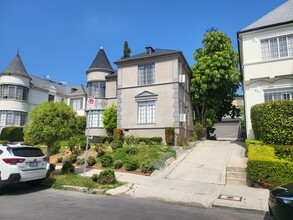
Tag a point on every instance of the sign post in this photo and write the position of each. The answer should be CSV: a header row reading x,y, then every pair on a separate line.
x,y
90,104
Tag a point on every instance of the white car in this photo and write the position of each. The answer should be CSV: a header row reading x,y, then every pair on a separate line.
x,y
21,163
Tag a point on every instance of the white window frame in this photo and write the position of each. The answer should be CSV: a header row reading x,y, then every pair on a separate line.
x,y
277,47
76,103
146,112
278,94
95,119
146,74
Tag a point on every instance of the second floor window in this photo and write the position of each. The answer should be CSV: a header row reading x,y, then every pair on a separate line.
x,y
51,98
76,103
97,89
14,92
277,47
146,74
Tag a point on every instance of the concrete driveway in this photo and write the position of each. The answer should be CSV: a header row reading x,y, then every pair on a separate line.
x,y
197,177
205,163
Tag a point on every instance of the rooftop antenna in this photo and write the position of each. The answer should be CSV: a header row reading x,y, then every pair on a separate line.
x,y
63,82
48,77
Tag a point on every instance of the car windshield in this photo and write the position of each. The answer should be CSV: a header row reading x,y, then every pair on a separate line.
x,y
27,152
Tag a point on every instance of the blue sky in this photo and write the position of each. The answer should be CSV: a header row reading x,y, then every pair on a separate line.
x,y
61,38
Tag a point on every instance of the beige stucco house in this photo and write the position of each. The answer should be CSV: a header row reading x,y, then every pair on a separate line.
x,y
151,91
266,59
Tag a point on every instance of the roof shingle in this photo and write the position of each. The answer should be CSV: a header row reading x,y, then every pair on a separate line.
x,y
282,14
16,67
101,61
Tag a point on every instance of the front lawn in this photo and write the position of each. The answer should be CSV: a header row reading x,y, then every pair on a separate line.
x,y
138,158
58,180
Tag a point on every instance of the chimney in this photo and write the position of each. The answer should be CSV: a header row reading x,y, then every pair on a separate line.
x,y
149,49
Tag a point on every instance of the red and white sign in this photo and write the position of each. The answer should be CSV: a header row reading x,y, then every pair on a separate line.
x,y
90,102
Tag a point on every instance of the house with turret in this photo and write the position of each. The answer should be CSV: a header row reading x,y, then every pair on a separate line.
x,y
151,91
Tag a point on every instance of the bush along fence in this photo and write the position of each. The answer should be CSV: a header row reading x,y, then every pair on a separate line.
x,y
265,168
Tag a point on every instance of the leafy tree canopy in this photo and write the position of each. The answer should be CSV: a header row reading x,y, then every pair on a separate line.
x,y
110,119
215,77
51,122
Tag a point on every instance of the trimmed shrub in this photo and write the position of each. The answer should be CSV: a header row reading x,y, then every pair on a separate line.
x,y
116,144
105,139
82,143
118,164
265,170
272,122
284,152
91,161
95,177
147,167
253,142
59,159
72,158
131,140
118,134
100,149
67,168
170,135
64,160
12,134
106,160
107,177
131,165
80,161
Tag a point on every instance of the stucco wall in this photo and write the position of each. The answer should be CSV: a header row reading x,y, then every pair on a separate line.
x,y
261,75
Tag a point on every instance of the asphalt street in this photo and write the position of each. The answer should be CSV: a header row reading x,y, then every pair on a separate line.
x,y
26,203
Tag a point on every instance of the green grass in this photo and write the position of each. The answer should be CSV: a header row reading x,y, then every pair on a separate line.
x,y
58,180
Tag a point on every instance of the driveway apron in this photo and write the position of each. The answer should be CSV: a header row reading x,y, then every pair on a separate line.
x,y
206,163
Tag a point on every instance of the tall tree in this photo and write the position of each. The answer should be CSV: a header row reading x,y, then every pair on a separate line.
x,y
215,76
51,122
126,50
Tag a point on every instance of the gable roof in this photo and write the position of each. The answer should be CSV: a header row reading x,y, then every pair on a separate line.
x,y
61,89
156,52
101,61
281,15
16,67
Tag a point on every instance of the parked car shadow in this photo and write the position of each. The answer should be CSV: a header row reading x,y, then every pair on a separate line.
x,y
20,189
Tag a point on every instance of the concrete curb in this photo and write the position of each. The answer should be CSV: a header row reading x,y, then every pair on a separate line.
x,y
242,210
83,189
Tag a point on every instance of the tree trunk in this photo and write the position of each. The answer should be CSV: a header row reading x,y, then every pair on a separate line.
x,y
203,133
48,152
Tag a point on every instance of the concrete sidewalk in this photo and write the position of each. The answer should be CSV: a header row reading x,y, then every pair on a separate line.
x,y
197,178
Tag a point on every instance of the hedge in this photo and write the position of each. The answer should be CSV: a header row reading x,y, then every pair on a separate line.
x,y
12,134
147,140
170,135
265,170
272,122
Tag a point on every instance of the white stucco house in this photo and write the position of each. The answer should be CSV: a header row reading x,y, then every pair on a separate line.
x,y
266,59
20,92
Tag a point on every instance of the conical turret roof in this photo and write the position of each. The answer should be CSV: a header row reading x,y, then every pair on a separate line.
x,y
101,61
16,67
